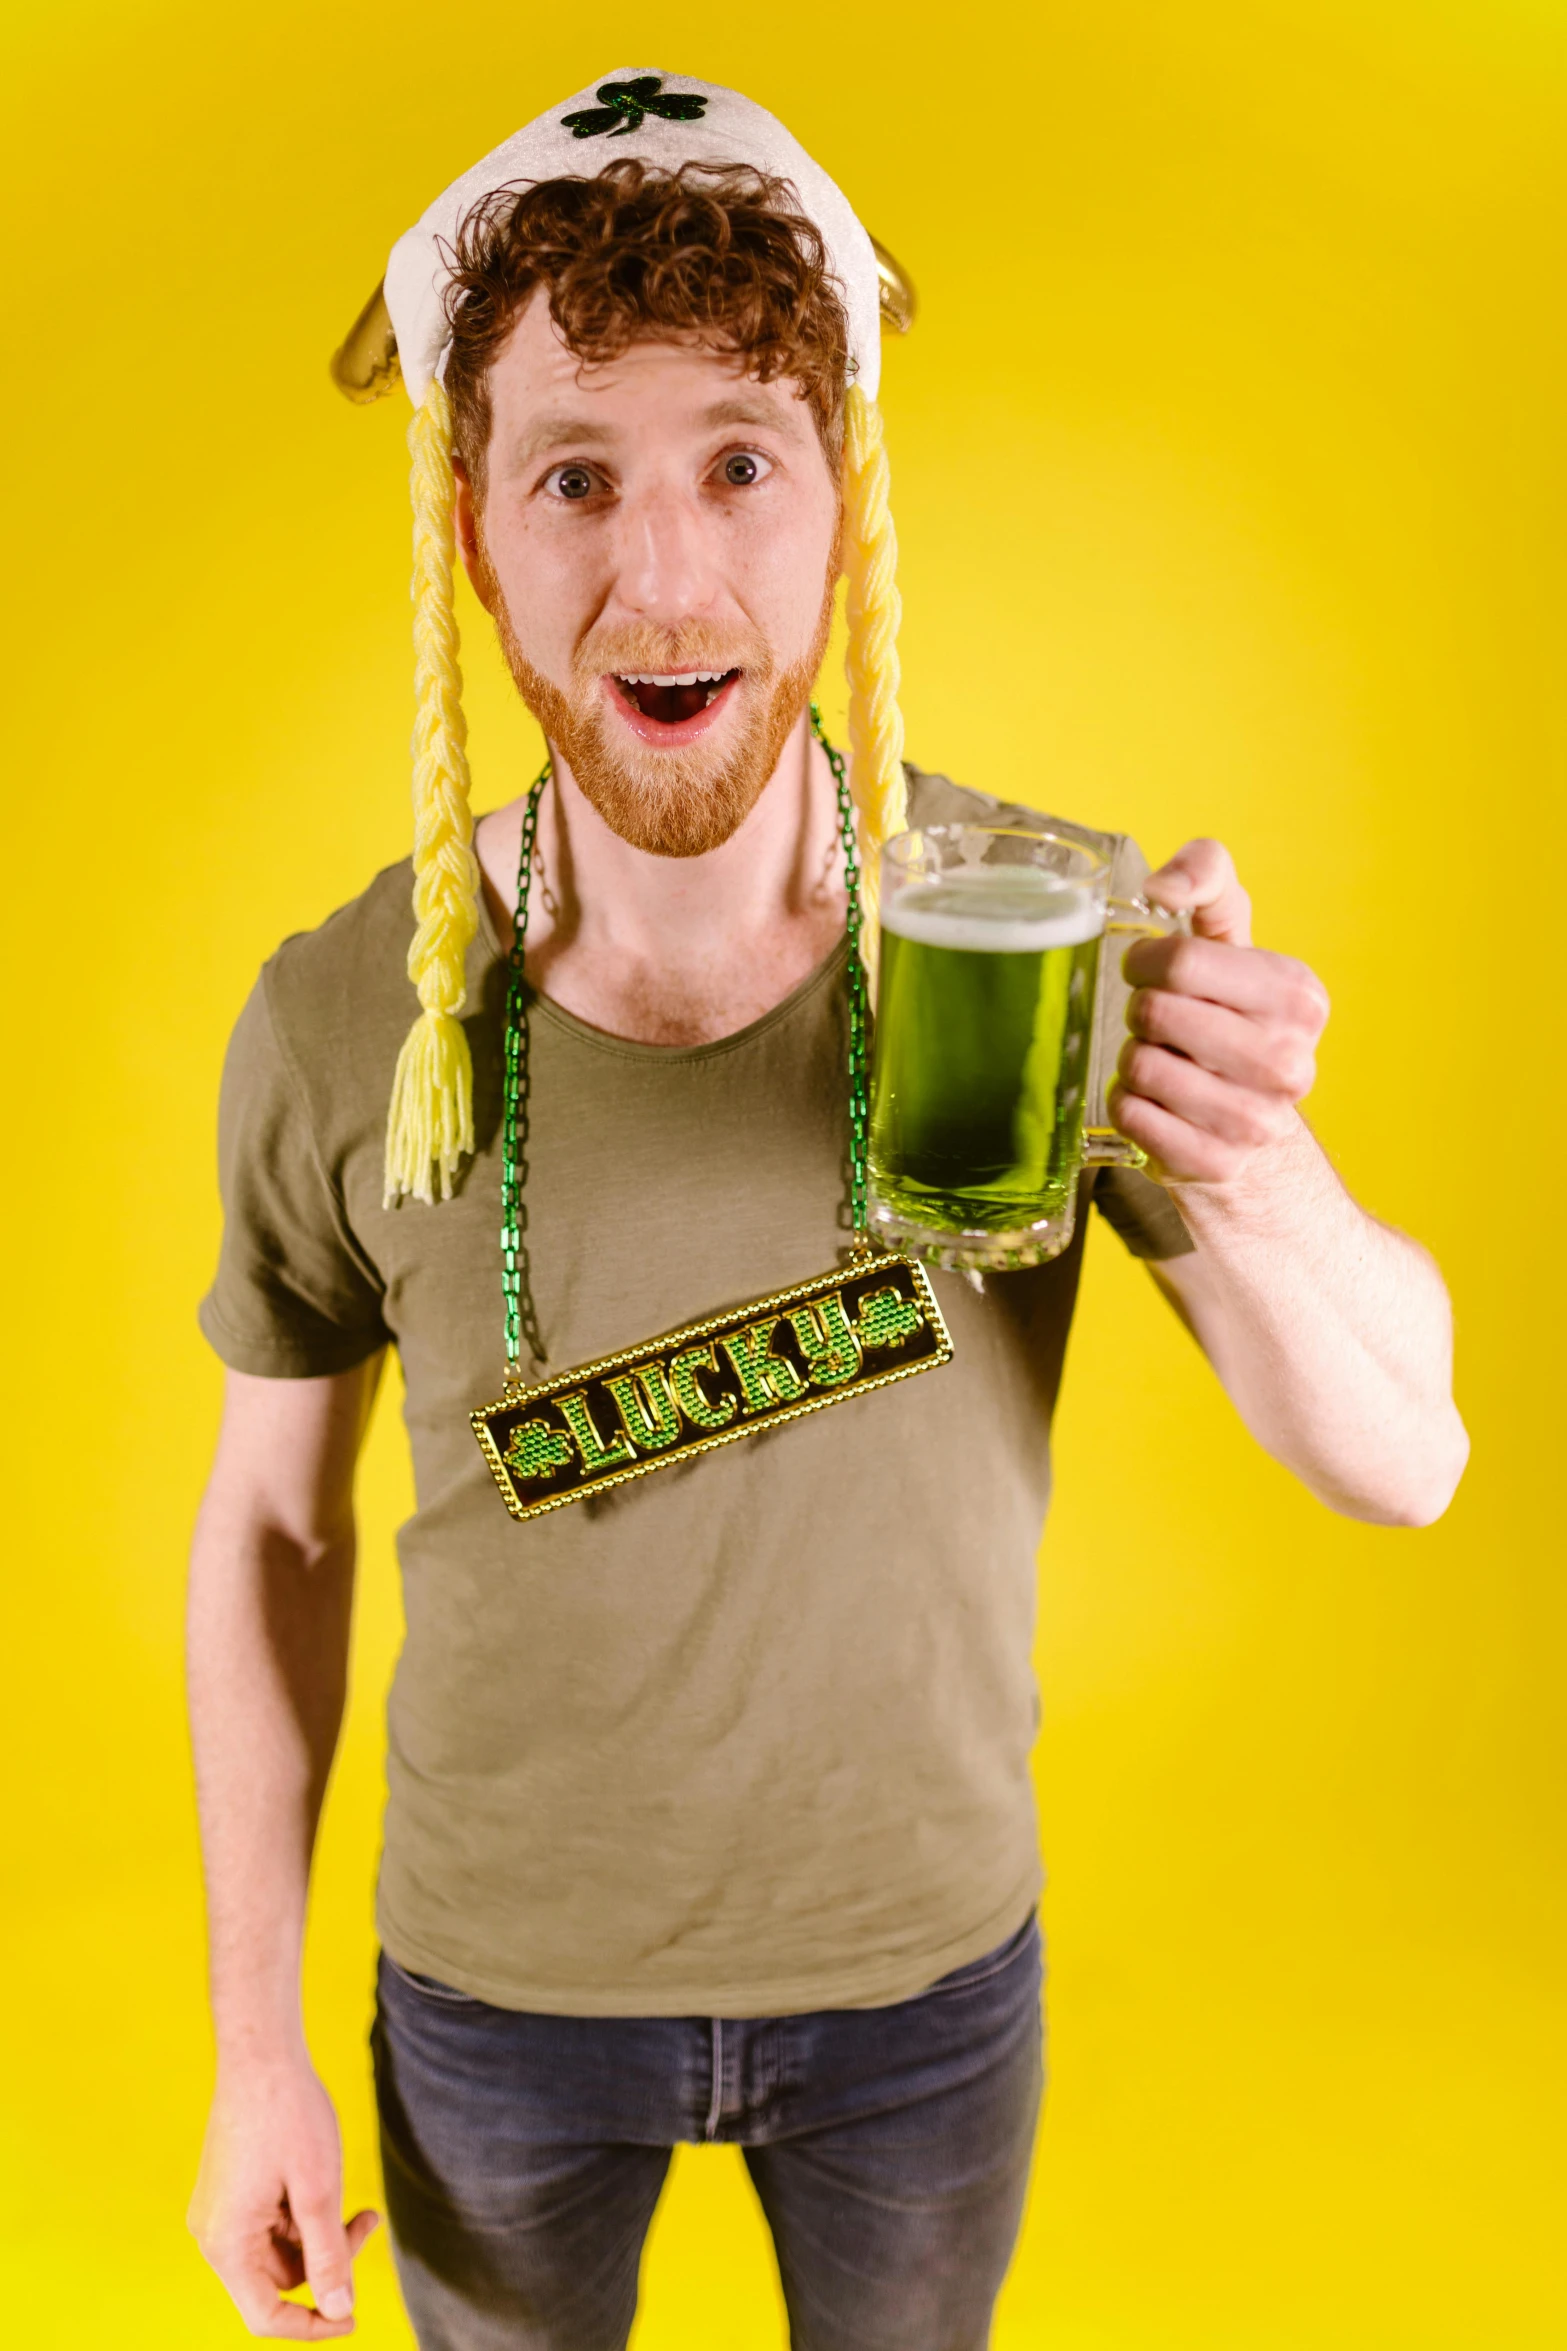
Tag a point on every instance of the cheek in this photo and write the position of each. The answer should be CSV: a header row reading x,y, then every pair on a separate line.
x,y
547,580
781,567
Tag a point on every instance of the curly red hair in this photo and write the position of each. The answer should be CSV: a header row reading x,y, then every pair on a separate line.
x,y
717,254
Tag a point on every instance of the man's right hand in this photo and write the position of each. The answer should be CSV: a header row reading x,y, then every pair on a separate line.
x,y
267,2211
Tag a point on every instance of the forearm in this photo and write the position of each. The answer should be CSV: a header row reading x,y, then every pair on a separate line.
x,y
1331,1333
267,1667
271,1590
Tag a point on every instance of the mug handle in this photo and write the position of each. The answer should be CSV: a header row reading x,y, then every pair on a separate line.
x,y
1126,918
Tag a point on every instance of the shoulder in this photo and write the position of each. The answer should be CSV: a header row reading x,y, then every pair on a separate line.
x,y
351,946
330,1010
935,799
349,975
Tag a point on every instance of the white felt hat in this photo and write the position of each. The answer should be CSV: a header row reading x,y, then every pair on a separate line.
x,y
664,120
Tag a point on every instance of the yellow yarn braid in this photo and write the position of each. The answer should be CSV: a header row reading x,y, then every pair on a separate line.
x,y
870,558
430,1123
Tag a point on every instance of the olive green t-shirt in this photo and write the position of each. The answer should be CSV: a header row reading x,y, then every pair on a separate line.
x,y
747,1737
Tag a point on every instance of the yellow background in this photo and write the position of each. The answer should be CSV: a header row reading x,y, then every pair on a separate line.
x,y
1229,470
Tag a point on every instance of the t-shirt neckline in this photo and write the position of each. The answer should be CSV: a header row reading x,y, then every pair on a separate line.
x,y
633,1048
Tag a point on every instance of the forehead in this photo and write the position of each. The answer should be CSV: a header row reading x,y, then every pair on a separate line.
x,y
652,388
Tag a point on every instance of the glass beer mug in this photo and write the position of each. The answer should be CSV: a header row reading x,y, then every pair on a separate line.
x,y
987,1093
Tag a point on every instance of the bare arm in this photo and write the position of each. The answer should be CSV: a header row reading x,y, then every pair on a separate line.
x,y
271,1587
1331,1332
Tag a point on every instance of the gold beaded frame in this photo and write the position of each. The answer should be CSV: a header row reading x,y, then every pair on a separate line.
x,y
859,1327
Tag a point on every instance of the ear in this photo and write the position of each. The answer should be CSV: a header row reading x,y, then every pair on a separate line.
x,y
470,546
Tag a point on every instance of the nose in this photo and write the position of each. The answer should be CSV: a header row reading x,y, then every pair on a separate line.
x,y
667,570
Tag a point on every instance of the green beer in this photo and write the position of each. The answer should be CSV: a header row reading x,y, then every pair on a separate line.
x,y
983,1034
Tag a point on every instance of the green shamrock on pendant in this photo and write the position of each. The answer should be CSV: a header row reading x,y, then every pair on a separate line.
x,y
626,104
886,1320
536,1450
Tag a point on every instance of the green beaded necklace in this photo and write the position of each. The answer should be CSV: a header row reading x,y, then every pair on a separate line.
x,y
844,1332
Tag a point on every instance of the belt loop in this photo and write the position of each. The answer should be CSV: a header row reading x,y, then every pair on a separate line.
x,y
716,2103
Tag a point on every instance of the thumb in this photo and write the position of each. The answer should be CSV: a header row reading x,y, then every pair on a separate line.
x,y
328,2255
1201,880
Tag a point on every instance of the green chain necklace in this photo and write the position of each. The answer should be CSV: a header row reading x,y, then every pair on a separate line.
x,y
842,1333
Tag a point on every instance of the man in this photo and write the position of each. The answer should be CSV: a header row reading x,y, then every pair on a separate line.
x,y
709,1811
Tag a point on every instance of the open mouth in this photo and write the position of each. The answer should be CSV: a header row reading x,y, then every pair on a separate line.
x,y
673,706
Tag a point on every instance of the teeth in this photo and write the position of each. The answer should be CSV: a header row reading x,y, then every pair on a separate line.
x,y
685,677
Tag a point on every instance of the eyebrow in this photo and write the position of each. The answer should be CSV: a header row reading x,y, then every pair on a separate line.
x,y
587,432
552,432
742,411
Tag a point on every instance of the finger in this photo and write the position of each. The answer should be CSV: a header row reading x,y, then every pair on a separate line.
x,y
1201,880
262,2308
1246,979
293,2322
364,2224
1234,1114
283,2264
329,2260
1257,1053
1176,1151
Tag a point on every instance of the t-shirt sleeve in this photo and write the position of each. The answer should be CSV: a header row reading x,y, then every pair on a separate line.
x,y
294,1296
1142,1212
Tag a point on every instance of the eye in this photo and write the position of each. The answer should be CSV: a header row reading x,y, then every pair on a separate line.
x,y
745,468
570,481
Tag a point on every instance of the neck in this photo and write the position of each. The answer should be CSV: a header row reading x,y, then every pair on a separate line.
x,y
676,950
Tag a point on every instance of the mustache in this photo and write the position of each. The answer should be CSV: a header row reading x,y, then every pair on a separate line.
x,y
615,649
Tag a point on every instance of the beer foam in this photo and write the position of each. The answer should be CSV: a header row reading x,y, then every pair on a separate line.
x,y
994,910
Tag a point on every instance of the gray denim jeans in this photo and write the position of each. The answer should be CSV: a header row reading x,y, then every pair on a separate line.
x,y
889,2148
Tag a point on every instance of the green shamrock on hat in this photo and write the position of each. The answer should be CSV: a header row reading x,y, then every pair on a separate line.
x,y
627,104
